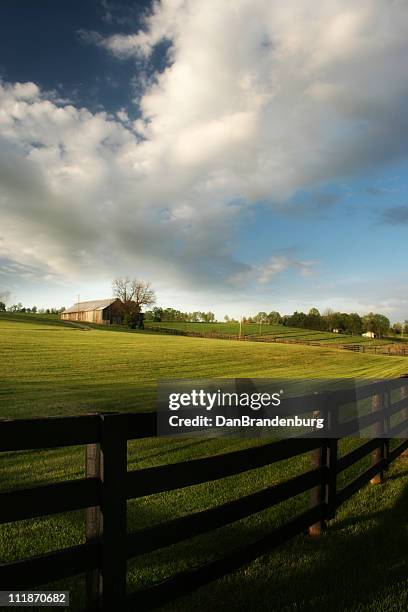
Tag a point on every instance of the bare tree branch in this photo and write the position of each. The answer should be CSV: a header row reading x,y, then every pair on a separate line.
x,y
133,293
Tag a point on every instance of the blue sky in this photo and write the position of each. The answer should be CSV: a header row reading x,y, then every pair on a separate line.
x,y
142,140
41,42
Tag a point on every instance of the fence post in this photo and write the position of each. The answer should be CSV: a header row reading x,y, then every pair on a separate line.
x,y
93,527
318,494
106,587
378,453
113,476
404,395
331,492
386,425
331,497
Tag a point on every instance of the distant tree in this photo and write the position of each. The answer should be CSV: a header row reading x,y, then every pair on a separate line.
x,y
376,323
157,313
405,327
261,317
171,314
134,294
396,328
16,308
2,307
328,318
298,319
226,318
315,321
274,318
333,320
314,312
354,324
382,324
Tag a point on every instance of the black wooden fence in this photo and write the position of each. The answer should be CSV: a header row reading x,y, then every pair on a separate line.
x,y
108,485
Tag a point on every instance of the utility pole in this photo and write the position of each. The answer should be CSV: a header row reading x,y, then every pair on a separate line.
x,y
240,327
78,307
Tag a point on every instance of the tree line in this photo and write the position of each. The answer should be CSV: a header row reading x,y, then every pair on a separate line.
x,y
341,322
172,314
29,309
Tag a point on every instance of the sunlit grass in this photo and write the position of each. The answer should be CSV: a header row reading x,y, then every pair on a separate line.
x,y
49,368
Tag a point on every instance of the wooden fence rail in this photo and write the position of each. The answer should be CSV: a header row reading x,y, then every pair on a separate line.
x,y
108,485
364,347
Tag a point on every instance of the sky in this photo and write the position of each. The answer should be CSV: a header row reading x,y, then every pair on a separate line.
x,y
241,155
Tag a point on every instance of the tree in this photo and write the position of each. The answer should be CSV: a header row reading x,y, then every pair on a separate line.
x,y
133,294
333,320
157,313
376,323
382,324
314,321
16,308
261,317
2,307
298,319
226,318
274,318
354,324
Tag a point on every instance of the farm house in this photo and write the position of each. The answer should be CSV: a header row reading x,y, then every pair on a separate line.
x,y
96,311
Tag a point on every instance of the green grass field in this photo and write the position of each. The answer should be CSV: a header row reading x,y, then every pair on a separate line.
x,y
52,368
276,331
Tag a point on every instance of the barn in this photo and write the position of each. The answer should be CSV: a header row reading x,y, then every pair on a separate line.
x,y
104,312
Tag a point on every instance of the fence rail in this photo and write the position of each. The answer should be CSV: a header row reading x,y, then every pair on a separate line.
x,y
363,347
108,485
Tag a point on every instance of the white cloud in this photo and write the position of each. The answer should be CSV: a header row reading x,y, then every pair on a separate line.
x,y
261,98
279,263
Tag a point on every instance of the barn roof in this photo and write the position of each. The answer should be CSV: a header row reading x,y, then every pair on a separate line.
x,y
92,305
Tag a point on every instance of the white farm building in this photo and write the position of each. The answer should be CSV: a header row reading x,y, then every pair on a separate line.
x,y
369,334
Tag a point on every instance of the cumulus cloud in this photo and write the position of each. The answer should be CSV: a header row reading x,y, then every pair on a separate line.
x,y
80,194
260,99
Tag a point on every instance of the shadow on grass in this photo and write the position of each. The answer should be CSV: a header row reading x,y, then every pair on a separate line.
x,y
360,563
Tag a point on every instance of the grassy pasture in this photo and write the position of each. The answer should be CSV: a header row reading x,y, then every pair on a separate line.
x,y
276,331
49,367
55,368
